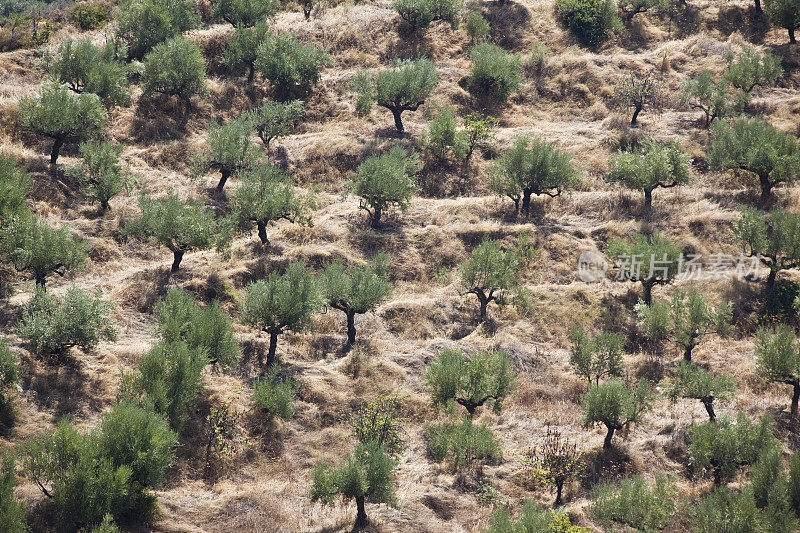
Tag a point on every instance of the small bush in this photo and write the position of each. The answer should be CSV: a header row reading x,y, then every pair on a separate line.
x,y
419,14
51,324
534,63
533,519
444,141
9,377
592,21
274,395
12,511
495,73
102,172
293,68
89,15
476,27
143,24
462,443
634,503
378,421
725,511
175,68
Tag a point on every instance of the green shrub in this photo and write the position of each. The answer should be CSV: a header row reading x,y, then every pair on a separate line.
x,y
275,395
293,68
175,68
793,484
167,381
14,184
179,226
356,290
244,13
725,511
367,473
87,15
102,172
633,7
143,24
241,50
597,357
282,302
419,14
33,246
592,21
12,511
615,405
444,140
404,86
476,26
461,443
751,69
383,181
471,381
533,166
533,519
207,329
534,63
51,325
492,274
778,359
703,93
105,472
274,120
634,503
91,69
9,378
106,526
725,445
780,303
495,73
62,116
555,462
378,421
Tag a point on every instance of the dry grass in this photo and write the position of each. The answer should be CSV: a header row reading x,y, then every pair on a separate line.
x,y
265,489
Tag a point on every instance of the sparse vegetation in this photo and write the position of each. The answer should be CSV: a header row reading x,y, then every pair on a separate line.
x,y
637,92
274,120
102,172
703,93
555,462
463,444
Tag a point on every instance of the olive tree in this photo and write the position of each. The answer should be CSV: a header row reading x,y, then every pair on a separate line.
x,y
274,120
366,474
102,172
175,68
62,116
555,462
685,320
180,226
33,246
419,14
533,166
143,24
631,8
266,195
778,359
785,14
493,274
244,13
725,445
615,405
690,381
383,181
282,302
470,380
356,289
86,68
404,86
596,357
650,166
495,73
51,325
14,184
241,49
751,69
773,238
647,259
703,93
228,149
638,91
293,68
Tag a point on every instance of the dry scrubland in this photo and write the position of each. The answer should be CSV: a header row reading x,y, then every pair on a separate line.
x,y
266,487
